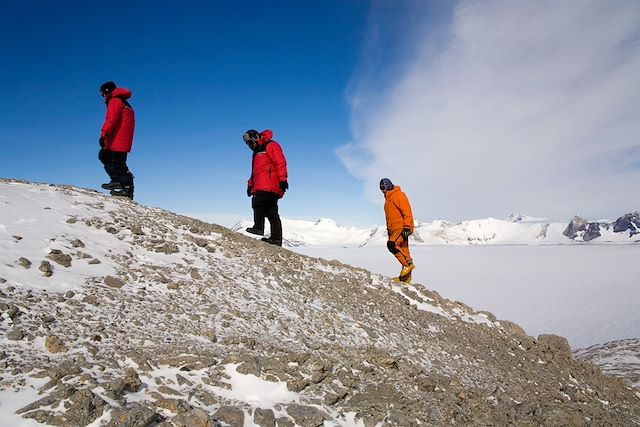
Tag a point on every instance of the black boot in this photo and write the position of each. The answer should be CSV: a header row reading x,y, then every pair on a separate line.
x,y
125,191
112,185
253,230
272,241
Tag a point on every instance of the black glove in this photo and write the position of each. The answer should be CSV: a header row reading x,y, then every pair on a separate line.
x,y
405,233
101,142
284,185
249,191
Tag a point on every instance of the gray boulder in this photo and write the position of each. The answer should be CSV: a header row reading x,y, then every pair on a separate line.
x,y
113,282
196,417
129,383
556,344
306,416
15,334
82,408
59,257
264,417
230,415
46,268
134,416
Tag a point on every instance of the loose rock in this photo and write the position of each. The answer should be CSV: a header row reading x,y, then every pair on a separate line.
x,y
46,268
53,344
59,257
113,282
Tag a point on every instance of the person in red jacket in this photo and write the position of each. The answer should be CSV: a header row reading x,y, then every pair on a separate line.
x,y
116,139
397,212
267,184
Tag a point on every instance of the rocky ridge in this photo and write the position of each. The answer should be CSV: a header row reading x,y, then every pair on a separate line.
x,y
618,358
582,230
157,313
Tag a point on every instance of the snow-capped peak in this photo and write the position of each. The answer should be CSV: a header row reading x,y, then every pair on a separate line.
x,y
516,229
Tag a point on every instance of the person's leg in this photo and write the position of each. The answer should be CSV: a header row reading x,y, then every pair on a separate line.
x,y
115,164
404,256
259,204
274,220
121,174
105,157
400,249
121,170
405,273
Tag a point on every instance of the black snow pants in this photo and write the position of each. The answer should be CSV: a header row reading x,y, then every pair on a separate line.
x,y
115,164
265,205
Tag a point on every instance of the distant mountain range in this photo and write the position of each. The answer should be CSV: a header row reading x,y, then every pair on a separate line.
x,y
515,230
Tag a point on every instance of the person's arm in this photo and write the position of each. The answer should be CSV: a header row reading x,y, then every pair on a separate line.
x,y
249,186
405,210
274,151
112,118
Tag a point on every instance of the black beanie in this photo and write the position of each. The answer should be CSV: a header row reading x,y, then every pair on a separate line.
x,y
107,88
251,135
386,184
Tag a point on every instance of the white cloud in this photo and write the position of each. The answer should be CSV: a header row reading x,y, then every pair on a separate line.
x,y
516,106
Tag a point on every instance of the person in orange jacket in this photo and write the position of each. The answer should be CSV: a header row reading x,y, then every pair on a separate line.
x,y
397,212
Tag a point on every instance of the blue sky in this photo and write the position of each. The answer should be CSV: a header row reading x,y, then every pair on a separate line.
x,y
201,74
476,109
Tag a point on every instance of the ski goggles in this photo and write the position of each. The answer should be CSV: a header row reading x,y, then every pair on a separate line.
x,y
248,139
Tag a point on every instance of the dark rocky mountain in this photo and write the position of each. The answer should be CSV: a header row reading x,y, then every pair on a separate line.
x,y
630,221
579,228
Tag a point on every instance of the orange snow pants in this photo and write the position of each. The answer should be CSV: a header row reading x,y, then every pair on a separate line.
x,y
399,247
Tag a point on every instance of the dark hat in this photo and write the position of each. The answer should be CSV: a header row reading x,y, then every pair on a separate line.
x,y
386,184
251,135
107,88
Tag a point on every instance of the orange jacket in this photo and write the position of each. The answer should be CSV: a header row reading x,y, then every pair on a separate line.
x,y
397,210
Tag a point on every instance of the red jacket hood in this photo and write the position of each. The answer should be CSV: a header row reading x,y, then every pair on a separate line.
x,y
265,136
120,92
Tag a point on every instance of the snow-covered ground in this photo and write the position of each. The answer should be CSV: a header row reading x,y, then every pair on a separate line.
x,y
586,293
521,269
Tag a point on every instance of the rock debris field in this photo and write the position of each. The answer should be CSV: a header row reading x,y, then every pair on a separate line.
x,y
116,314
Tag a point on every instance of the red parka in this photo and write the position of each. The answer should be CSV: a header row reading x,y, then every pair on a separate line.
x,y
119,121
268,167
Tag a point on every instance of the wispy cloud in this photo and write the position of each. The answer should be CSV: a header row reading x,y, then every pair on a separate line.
x,y
511,106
